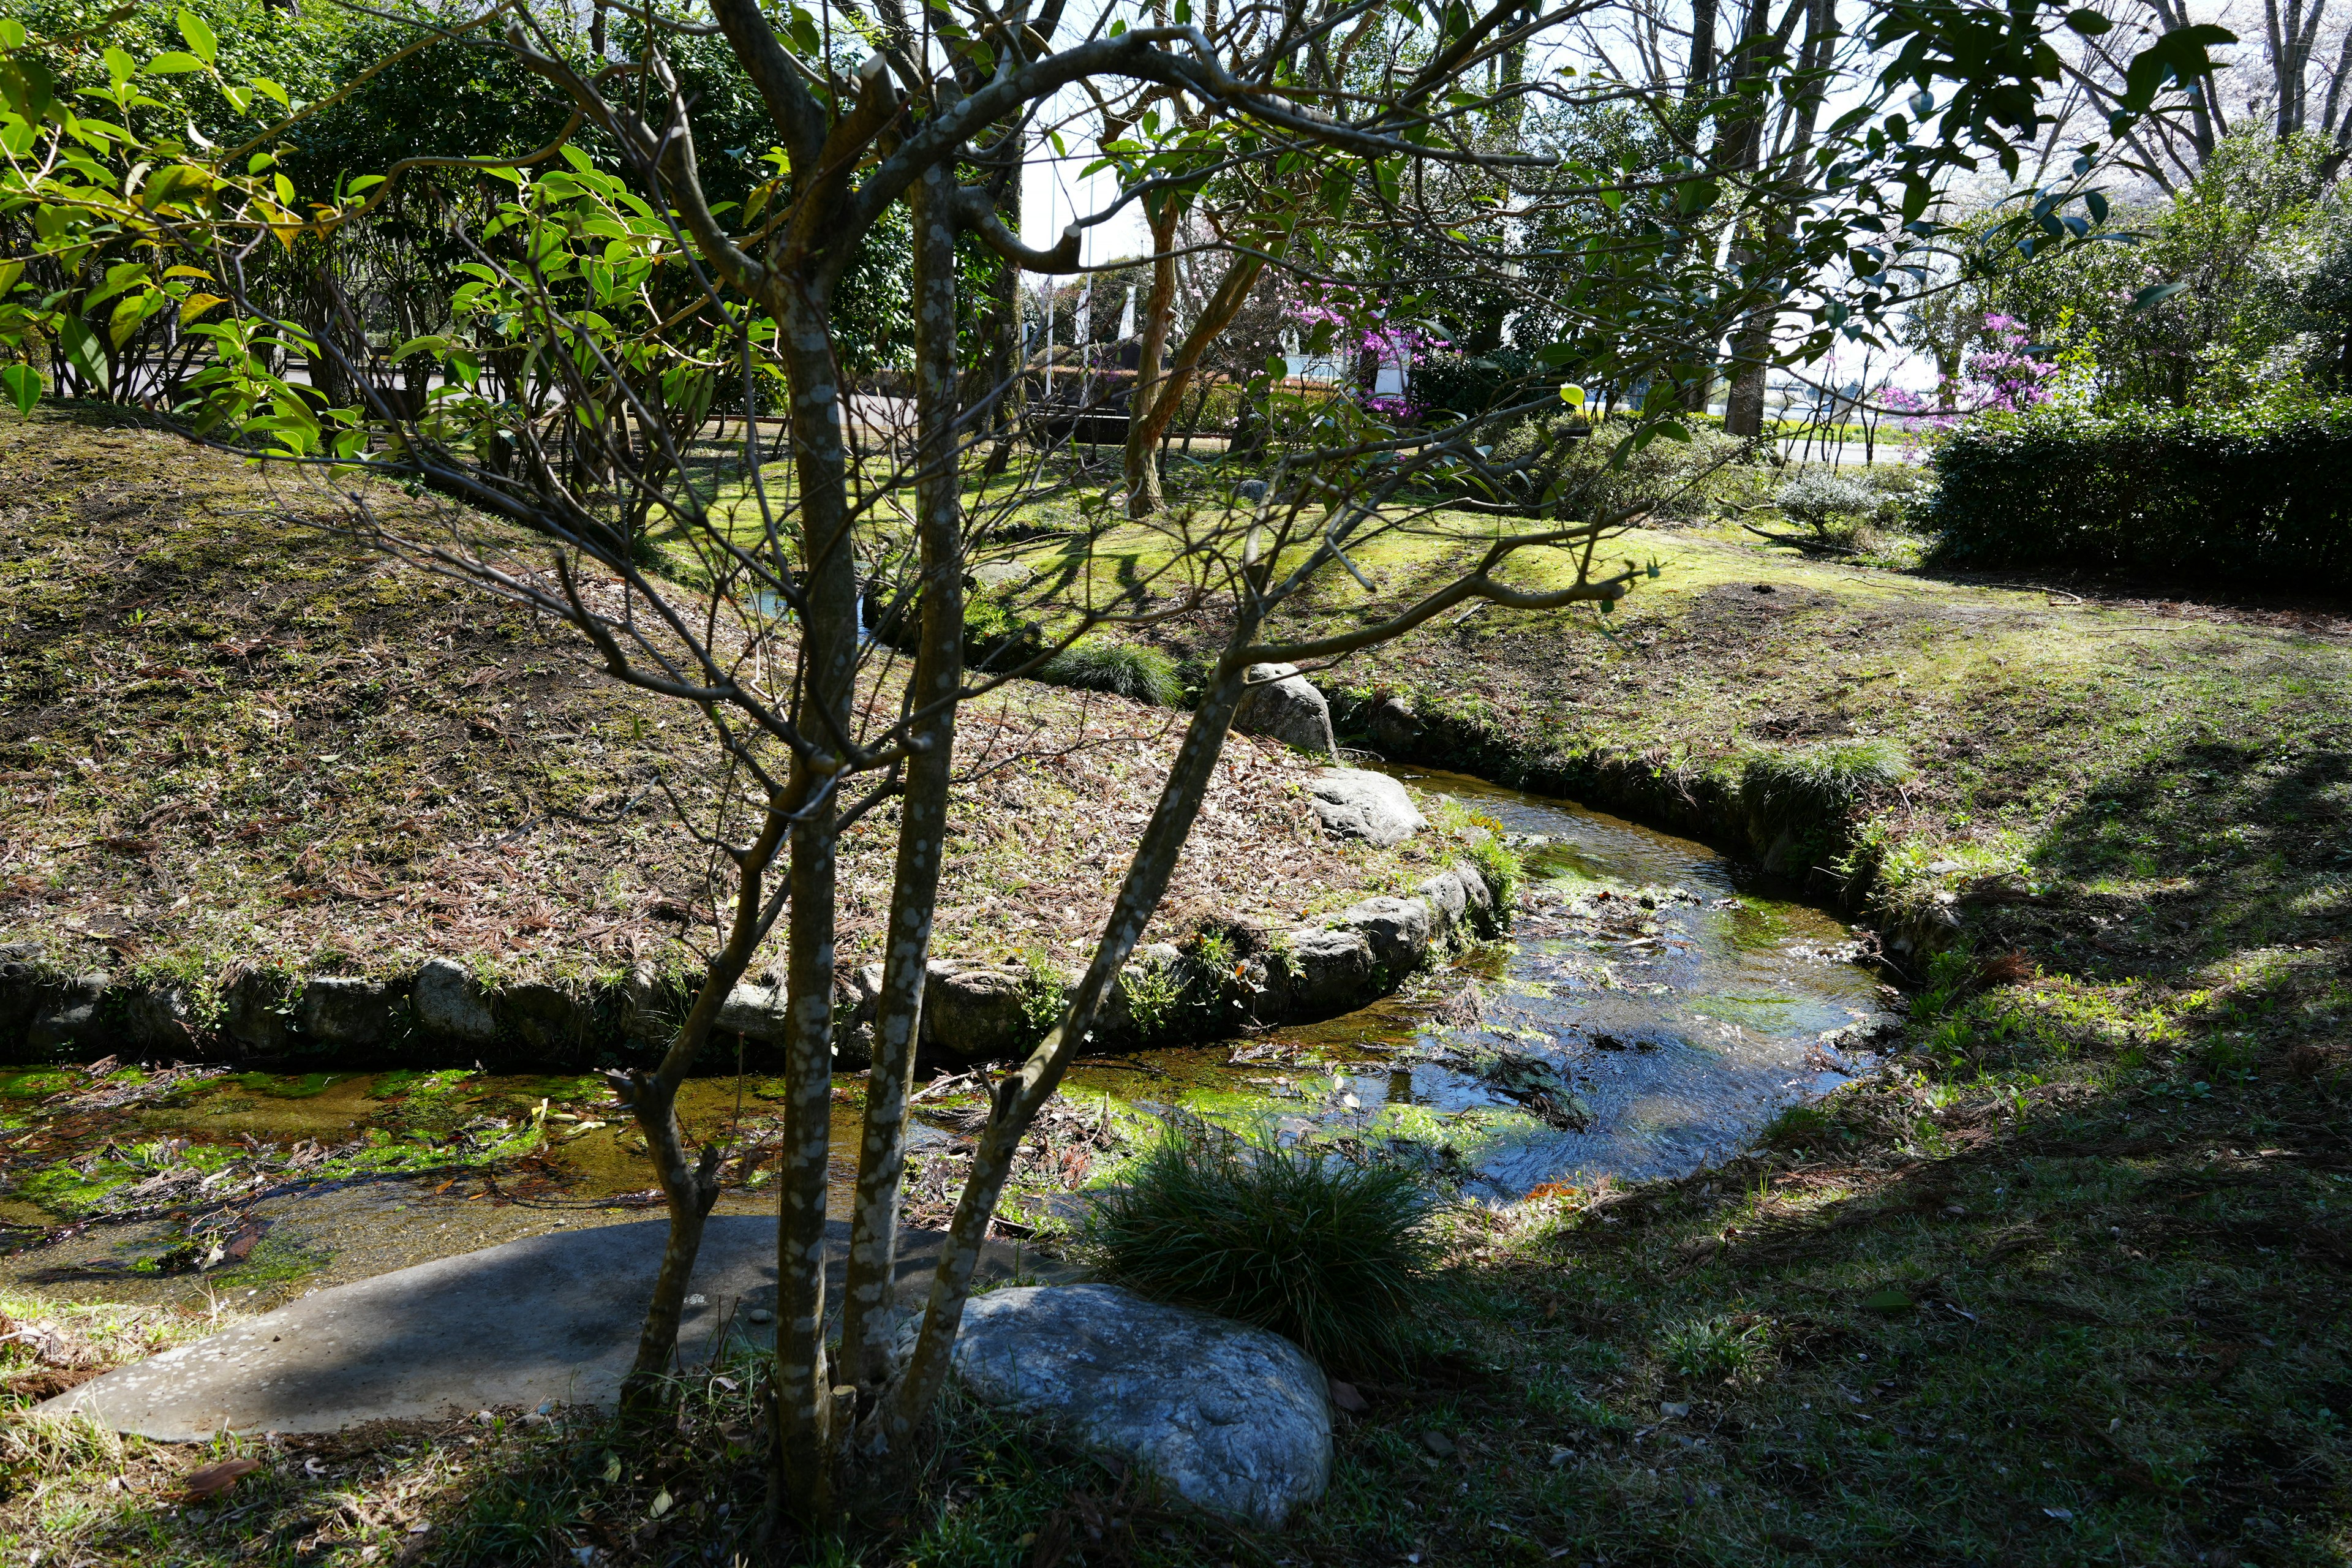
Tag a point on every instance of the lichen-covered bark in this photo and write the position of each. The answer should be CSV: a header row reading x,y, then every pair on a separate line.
x,y
867,1326
805,1394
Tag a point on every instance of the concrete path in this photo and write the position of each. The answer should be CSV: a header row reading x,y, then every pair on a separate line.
x,y
548,1318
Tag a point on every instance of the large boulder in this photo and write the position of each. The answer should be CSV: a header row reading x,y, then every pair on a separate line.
x,y
1230,1417
1448,901
66,1016
350,1013
23,988
1479,901
755,1009
1317,972
555,1020
1353,803
1396,930
1392,727
1281,702
642,996
157,1020
975,1010
451,1005
258,1015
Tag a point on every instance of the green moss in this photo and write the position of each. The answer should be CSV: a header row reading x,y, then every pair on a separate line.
x,y
35,1083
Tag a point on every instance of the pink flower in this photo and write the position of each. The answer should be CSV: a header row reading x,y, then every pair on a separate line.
x,y
1996,377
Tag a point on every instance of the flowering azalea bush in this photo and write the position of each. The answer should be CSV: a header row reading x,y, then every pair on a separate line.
x,y
1346,322
2002,374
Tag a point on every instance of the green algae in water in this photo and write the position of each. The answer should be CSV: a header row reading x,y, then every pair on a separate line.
x,y
37,1083
1756,926
281,1087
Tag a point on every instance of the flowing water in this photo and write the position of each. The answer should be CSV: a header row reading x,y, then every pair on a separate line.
x,y
1655,1006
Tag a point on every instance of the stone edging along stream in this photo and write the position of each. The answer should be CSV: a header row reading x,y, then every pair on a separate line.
x,y
1733,810
440,1014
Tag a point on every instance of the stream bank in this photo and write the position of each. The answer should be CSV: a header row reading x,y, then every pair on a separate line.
x,y
1655,1006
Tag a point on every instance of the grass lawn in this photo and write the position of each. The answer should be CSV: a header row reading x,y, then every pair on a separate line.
x,y
2064,1284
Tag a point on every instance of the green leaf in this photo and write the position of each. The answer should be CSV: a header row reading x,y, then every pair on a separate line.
x,y
200,42
1888,1301
2157,294
80,349
23,384
1278,367
27,88
171,62
268,88
1572,395
12,32
1337,187
2088,23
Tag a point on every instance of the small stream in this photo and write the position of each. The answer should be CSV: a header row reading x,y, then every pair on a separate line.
x,y
1656,1005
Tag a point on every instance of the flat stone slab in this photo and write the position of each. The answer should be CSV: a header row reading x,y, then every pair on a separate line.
x,y
551,1317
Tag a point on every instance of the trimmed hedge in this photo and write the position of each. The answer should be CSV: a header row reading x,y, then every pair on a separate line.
x,y
2212,492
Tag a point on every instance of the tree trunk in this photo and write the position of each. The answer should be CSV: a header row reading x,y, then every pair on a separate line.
x,y
1008,374
1743,408
805,1395
869,1323
689,1189
1225,302
1142,456
1020,1096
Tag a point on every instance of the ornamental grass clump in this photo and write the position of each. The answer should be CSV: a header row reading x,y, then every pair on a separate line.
x,y
1337,1256
1145,674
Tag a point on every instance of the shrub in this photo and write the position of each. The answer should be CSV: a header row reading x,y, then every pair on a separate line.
x,y
1335,1256
996,634
1832,506
1818,497
1503,866
2230,492
1144,674
1576,468
1472,385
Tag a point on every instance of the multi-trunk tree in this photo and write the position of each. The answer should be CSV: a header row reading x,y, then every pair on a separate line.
x,y
625,304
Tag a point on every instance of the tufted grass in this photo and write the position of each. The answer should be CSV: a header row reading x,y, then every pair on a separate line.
x,y
1124,670
1334,1254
